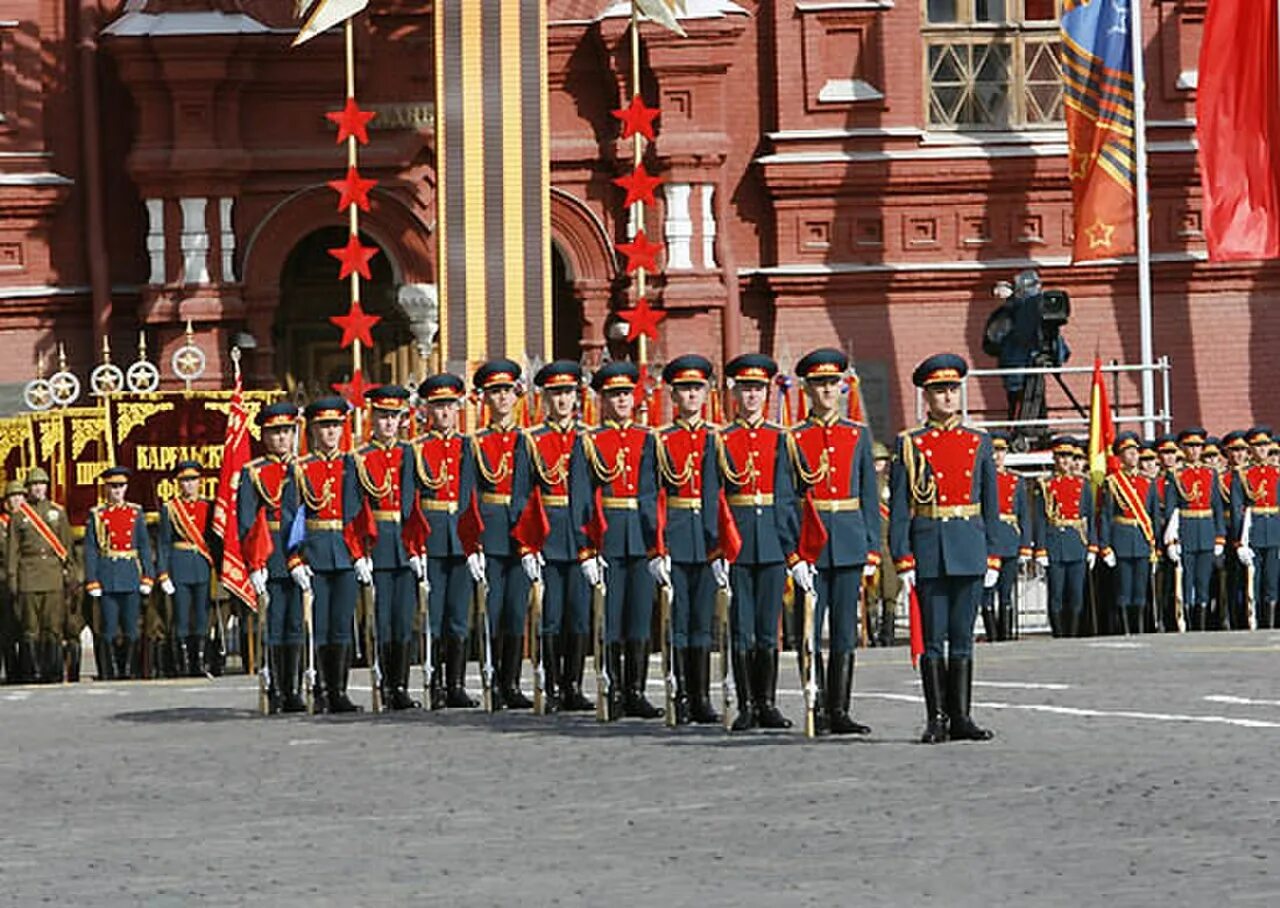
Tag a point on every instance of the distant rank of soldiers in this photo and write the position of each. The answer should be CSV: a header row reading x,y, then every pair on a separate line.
x,y
545,536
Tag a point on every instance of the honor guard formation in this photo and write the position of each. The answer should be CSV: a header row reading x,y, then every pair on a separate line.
x,y
563,528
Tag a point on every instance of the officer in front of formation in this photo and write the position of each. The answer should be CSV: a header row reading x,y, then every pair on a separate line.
x,y
118,568
1256,505
1066,543
38,568
755,470
384,467
944,518
1126,530
566,603
613,467
184,563
445,480
686,456
266,503
831,457
1013,544
501,460
10,627
330,498
1194,529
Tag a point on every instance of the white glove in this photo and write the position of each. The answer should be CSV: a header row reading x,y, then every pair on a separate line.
x,y
364,570
593,570
908,578
418,564
144,589
1109,559
302,577
1024,560
1217,550
532,564
1245,555
1174,551
475,564
1091,558
1171,529
869,570
803,573
991,579
258,580
95,592
660,570
1043,561
167,585
720,571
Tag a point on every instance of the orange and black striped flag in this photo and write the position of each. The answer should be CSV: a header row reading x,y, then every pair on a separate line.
x,y
494,179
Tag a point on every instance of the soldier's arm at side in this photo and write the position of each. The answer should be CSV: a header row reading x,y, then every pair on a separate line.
x,y
1107,516
869,494
710,492
142,543
581,496
1219,523
647,492
1088,511
91,581
989,492
786,512
900,510
246,504
164,542
1022,507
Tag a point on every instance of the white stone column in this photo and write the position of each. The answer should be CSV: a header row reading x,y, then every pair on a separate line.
x,y
708,226
679,227
155,241
227,240
195,242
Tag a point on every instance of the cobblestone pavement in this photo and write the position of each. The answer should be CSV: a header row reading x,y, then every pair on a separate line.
x,y
1124,773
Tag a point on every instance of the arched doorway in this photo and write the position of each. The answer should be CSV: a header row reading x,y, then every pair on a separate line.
x,y
566,310
309,358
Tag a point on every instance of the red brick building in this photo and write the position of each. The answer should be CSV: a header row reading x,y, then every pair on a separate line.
x,y
855,173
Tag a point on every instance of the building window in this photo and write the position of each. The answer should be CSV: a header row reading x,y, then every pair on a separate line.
x,y
992,64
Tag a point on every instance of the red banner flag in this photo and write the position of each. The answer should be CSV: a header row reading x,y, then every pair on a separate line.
x,y
1102,430
360,533
533,527
258,545
471,527
917,626
730,536
415,532
235,454
1238,130
813,532
597,525
660,546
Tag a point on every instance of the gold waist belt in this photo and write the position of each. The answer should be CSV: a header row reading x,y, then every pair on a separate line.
x,y
318,525
620,504
387,516
1011,519
495,498
751,501
685,504
556,501
1194,513
122,554
1067,523
835,505
946,511
185,547
431,504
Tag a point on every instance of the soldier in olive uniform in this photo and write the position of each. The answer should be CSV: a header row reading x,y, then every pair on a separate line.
x,y
39,567
10,629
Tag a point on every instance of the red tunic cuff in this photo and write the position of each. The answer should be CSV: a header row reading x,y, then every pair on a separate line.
x,y
873,558
993,562
906,564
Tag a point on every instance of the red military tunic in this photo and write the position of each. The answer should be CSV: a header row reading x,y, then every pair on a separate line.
x,y
757,479
686,469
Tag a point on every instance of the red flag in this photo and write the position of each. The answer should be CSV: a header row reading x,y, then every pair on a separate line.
x,y
1238,129
471,527
361,532
813,532
597,525
258,544
661,545
533,527
917,626
416,531
855,399
235,454
730,537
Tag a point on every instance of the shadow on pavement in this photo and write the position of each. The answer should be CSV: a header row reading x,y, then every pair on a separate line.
x,y
186,714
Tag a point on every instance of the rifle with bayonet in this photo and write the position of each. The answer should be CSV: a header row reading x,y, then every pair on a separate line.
x,y
424,613
370,597
599,660
481,605
669,685
536,593
265,705
809,644
724,600
308,628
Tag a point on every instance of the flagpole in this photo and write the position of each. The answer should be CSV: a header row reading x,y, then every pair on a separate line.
x,y
348,35
1142,225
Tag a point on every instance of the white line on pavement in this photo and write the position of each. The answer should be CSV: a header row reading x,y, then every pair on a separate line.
x,y
1023,685
1240,701
1088,713
1117,644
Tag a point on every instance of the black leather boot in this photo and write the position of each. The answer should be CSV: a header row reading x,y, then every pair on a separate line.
x,y
989,616
290,679
637,702
821,719
765,679
26,662
386,665
399,682
275,661
496,698
120,655
455,665
681,670
932,672
700,709
572,699
52,662
195,656
960,690
617,682
135,659
321,684
179,657
887,629
551,683
512,662
745,682
435,690
71,656
103,662
340,671
839,691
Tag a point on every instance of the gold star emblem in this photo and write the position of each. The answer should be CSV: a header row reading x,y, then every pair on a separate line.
x,y
40,395
63,385
1100,234
1078,168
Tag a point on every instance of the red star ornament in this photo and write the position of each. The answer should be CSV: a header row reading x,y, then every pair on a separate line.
x,y
354,258
639,185
356,325
352,190
354,390
351,121
637,118
642,319
640,253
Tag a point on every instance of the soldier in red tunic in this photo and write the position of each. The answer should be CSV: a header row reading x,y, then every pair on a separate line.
x,y
1256,500
185,559
1013,544
1066,541
1126,531
1195,531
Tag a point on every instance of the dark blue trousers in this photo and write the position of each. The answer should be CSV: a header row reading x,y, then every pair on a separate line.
x,y
284,612
449,605
566,601
1066,588
120,614
628,599
1197,571
508,595
1266,575
757,603
839,589
335,607
693,596
948,606
190,609
1133,579
396,594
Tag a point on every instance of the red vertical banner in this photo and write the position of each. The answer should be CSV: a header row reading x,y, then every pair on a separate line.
x,y
235,454
1238,129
